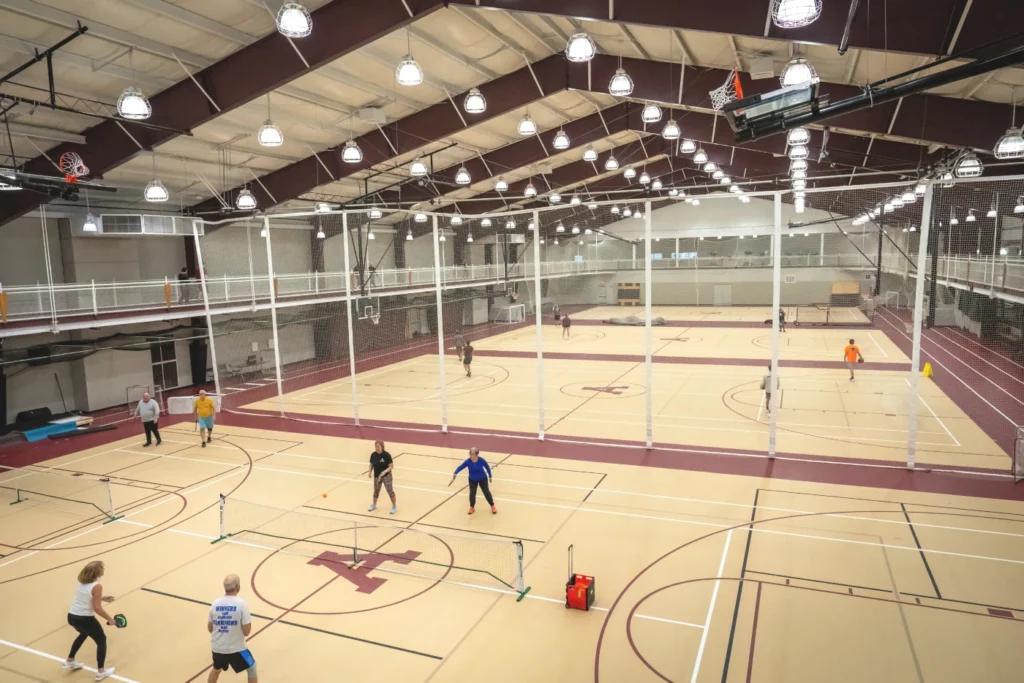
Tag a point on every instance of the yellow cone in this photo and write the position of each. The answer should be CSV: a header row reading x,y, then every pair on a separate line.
x,y
927,372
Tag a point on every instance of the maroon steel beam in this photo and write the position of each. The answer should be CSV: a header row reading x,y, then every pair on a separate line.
x,y
339,27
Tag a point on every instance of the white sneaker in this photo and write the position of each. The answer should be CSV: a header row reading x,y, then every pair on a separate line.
x,y
71,666
104,673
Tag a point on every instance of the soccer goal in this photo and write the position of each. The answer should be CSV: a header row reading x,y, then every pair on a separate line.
x,y
516,313
185,405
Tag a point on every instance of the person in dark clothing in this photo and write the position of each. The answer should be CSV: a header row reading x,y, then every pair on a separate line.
x,y
184,293
381,466
782,320
566,323
467,359
88,602
479,476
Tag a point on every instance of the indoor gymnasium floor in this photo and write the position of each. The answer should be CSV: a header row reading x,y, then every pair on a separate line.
x,y
736,314
706,394
699,576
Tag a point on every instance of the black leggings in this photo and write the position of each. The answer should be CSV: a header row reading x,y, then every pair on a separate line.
x,y
483,487
89,627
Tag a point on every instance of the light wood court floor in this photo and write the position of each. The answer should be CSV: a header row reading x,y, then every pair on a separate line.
x,y
745,314
700,577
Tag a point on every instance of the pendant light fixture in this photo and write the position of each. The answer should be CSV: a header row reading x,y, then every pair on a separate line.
x,y
370,235
270,135
629,173
970,216
474,103
799,73
420,218
798,174
724,180
909,197
418,168
561,140
656,184
556,242
798,152
718,174
322,207
245,201
953,220
527,125
408,235
530,190
734,188
673,192
350,153
671,130
408,72
799,184
293,21
530,226
90,221
501,185
710,167
559,227
456,219
627,212
575,200
687,147
374,213
462,176
1011,145
132,104
614,209
575,230
510,224
700,156
485,223
992,212
441,237
920,188
469,237
651,113
795,13
645,178
590,154
1020,205
156,192
611,164
320,234
798,165
620,85
639,213
555,198
969,166
695,202
592,205
798,136
580,48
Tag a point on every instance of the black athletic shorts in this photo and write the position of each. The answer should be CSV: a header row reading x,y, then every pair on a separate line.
x,y
239,661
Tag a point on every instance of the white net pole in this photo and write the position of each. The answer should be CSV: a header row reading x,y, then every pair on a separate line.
x,y
220,507
648,330
440,328
348,319
773,412
915,362
539,317
201,274
273,317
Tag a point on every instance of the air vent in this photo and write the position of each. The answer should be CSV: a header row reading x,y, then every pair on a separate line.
x,y
789,279
121,224
132,224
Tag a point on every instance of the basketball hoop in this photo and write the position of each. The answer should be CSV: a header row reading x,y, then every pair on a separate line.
x,y
375,318
73,167
729,91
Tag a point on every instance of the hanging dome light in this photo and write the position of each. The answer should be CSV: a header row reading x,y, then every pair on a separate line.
x,y
611,164
629,173
556,242
888,207
656,184
441,237
734,188
992,212
614,209
462,176
575,200
799,184
408,235
374,213
245,201
897,203
575,230
695,202
270,135
8,180
501,185
418,168
799,73
627,212
687,147
645,178
420,218
559,227
322,207
90,224
798,136
621,85
580,48
798,165
408,72
542,240
1019,208
474,103
1010,146
970,216
969,166
590,154
651,113
799,194
555,198
671,130
909,197
510,224
673,192
700,156
946,178
293,21
132,104
527,126
591,205
724,180
718,174
263,232
531,226
798,152
156,192
745,199
639,213
456,219
920,188
469,237
561,140
798,174
953,220
485,223
588,231
795,13
320,233
710,167
350,153
370,235
530,190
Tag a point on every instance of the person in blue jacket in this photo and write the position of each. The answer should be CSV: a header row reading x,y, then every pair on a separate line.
x,y
479,476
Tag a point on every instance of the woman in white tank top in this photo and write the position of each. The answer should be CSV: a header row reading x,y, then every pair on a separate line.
x,y
85,605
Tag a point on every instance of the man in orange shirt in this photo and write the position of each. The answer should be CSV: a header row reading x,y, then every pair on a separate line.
x,y
852,356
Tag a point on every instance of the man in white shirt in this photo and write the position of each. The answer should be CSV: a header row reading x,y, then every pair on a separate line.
x,y
229,624
149,412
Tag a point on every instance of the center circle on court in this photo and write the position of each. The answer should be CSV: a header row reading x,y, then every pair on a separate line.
x,y
603,390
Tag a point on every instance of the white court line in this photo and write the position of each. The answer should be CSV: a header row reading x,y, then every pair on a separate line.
x,y
760,407
47,655
968,338
981,358
871,336
711,610
921,398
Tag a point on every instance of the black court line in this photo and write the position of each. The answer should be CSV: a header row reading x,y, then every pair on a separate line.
x,y
157,456
238,436
436,526
896,502
928,568
593,488
509,464
739,590
304,626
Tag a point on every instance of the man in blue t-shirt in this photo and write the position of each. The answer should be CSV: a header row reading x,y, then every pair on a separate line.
x,y
479,475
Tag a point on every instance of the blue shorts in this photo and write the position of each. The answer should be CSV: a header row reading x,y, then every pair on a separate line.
x,y
206,422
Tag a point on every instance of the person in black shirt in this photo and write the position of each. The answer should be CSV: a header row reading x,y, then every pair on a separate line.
x,y
565,325
782,320
183,287
467,359
381,465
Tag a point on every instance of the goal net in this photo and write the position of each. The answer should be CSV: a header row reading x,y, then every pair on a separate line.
x,y
185,405
516,313
343,545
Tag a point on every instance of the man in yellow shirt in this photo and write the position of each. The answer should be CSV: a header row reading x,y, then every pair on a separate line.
x,y
203,413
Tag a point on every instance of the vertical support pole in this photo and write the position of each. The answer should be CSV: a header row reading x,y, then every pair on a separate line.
x,y
252,276
995,247
676,257
821,251
440,328
773,409
49,268
933,285
110,498
648,330
201,273
348,319
227,295
915,363
223,503
878,262
273,318
95,307
540,322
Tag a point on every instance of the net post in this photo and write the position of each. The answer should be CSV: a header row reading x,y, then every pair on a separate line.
x,y
273,317
915,362
17,497
773,411
648,330
539,324
206,303
111,516
348,319
521,588
355,543
440,327
221,504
